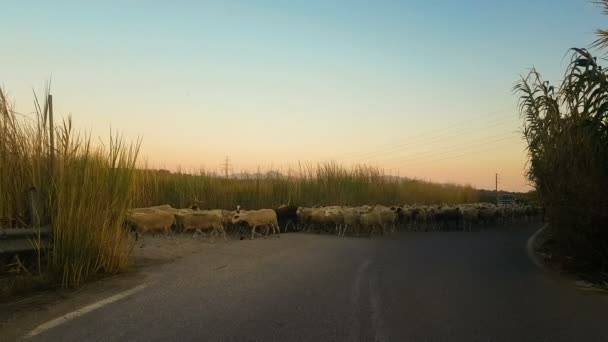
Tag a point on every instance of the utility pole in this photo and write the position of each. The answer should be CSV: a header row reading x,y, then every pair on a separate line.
x,y
496,181
227,167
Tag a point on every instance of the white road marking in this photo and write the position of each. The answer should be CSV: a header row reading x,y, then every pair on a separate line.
x,y
83,311
376,306
355,301
530,248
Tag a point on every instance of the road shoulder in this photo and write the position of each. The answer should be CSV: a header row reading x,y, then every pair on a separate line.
x,y
534,247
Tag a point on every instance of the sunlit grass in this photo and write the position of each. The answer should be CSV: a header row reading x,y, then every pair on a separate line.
x,y
84,197
321,184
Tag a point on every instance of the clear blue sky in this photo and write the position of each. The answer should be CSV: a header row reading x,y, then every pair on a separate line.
x,y
420,88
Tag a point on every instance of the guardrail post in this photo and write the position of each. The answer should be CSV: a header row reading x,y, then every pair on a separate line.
x,y
34,208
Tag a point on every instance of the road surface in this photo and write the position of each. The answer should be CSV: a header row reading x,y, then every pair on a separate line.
x,y
436,286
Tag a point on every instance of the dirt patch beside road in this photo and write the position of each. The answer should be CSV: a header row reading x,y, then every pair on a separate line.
x,y
151,250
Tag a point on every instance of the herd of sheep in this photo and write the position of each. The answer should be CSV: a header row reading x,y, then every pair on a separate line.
x,y
341,220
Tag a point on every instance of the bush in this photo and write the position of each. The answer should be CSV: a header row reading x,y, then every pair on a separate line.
x,y
567,134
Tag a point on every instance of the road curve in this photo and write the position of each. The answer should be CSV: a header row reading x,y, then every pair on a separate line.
x,y
440,286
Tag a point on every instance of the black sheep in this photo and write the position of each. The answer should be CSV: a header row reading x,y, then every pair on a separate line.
x,y
286,216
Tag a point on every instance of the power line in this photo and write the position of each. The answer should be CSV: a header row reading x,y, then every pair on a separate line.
x,y
468,153
456,148
425,134
413,161
436,139
425,140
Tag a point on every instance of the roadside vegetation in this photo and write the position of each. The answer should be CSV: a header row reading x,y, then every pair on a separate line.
x,y
83,190
566,128
321,184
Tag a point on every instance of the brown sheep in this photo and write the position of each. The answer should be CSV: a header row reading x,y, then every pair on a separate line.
x,y
258,218
202,220
151,221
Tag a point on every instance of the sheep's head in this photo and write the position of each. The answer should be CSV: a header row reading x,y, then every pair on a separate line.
x,y
237,218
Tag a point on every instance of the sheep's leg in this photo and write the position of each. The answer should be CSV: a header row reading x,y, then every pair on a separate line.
x,y
223,231
253,231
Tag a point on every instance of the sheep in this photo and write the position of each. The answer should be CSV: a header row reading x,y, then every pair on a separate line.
x,y
227,220
335,216
388,217
487,215
370,220
286,215
319,218
448,217
162,207
201,220
470,217
304,217
420,217
531,212
257,218
405,216
150,221
351,218
508,213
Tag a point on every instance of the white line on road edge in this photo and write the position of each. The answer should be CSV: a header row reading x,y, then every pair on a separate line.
x,y
80,312
355,296
376,305
530,247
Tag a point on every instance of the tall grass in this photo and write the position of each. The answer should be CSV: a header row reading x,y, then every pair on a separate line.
x,y
567,134
321,184
93,192
86,191
84,197
24,164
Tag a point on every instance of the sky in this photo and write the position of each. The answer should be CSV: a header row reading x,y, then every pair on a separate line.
x,y
420,89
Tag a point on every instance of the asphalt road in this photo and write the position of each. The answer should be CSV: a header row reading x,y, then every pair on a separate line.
x,y
440,286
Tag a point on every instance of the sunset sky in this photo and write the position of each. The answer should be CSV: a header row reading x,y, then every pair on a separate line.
x,y
419,88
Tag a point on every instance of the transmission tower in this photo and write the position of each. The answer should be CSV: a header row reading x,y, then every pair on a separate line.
x,y
227,167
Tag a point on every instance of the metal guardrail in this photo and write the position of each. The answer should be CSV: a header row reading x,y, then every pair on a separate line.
x,y
22,240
